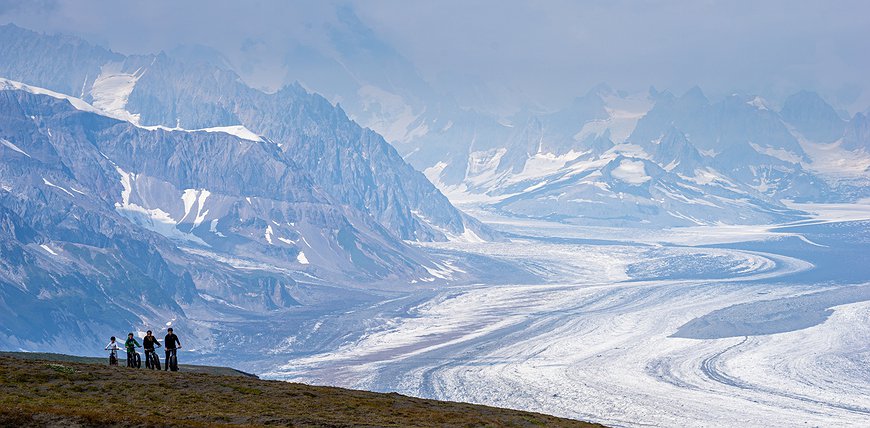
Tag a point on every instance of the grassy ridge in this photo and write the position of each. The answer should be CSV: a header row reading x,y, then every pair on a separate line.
x,y
37,392
122,360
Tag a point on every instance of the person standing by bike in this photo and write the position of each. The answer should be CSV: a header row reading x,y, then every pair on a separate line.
x,y
152,361
171,345
113,349
131,344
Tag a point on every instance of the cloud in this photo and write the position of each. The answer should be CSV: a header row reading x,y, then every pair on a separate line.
x,y
524,50
10,6
549,47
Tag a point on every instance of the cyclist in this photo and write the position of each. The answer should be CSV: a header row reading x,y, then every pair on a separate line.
x,y
131,344
151,359
113,354
171,345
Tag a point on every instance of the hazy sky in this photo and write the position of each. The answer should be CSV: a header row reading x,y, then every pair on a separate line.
x,y
541,51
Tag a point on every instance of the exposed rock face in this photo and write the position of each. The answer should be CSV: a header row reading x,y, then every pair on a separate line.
x,y
857,136
101,219
354,165
813,117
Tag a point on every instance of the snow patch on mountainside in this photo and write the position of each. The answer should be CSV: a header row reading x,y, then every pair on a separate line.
x,y
392,116
623,114
9,144
200,214
48,250
833,160
237,130
191,197
780,154
433,173
705,176
234,130
759,103
482,167
188,197
213,228
631,172
469,236
154,219
111,96
11,85
268,234
112,89
50,184
542,164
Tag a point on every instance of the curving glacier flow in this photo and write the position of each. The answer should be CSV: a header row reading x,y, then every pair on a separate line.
x,y
754,328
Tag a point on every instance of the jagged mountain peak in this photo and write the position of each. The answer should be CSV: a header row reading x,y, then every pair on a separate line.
x,y
631,171
674,152
663,96
358,168
857,134
813,117
599,143
805,98
694,96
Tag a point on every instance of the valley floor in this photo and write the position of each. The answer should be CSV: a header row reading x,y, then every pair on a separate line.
x,y
710,326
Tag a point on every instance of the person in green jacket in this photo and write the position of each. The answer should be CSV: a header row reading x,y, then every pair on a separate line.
x,y
131,344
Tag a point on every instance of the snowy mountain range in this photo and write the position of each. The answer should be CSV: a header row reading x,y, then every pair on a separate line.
x,y
751,154
144,188
654,159
161,188
197,93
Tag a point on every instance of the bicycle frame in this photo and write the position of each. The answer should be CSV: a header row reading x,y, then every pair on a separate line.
x,y
152,360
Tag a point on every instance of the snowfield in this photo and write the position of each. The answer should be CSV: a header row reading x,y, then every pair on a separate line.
x,y
631,329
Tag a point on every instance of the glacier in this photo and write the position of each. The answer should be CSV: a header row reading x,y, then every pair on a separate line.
x,y
713,326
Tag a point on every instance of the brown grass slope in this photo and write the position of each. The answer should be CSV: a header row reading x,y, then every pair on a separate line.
x,y
63,358
68,394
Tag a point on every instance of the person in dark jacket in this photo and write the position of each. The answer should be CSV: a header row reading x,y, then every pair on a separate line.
x,y
171,345
151,359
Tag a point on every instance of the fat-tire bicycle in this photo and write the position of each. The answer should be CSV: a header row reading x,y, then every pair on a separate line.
x,y
172,359
152,360
134,360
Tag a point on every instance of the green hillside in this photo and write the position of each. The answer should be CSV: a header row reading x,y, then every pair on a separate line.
x,y
52,390
187,368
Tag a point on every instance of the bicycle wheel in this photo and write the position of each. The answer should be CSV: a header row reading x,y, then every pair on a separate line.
x,y
173,363
137,361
